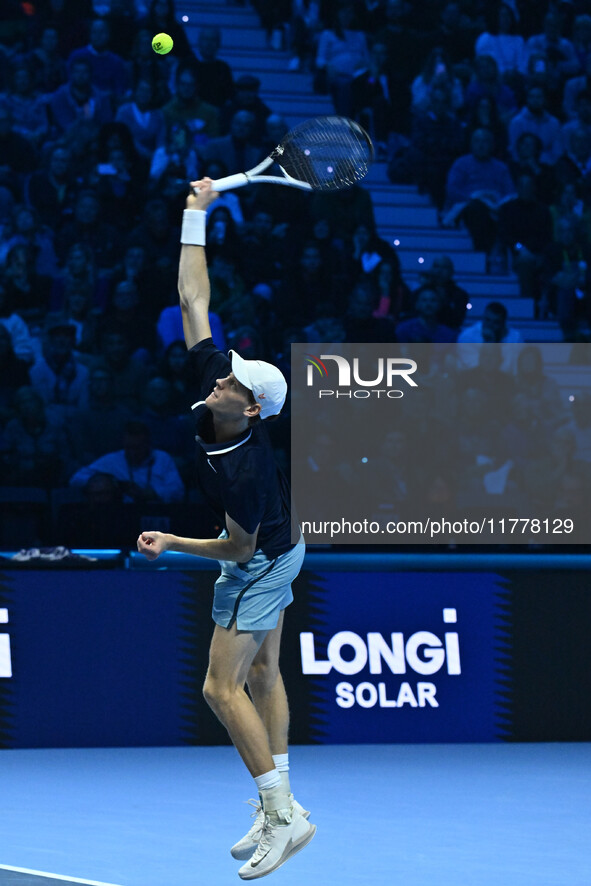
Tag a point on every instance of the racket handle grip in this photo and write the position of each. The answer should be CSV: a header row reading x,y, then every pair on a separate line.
x,y
230,182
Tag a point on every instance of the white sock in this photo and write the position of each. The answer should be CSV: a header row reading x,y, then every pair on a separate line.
x,y
268,780
281,762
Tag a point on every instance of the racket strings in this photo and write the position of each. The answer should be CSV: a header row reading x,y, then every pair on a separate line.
x,y
329,153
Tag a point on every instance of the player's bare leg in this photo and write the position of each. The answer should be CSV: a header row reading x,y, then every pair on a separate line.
x,y
267,691
230,657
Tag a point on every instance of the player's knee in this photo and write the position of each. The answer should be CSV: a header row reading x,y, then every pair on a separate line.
x,y
215,693
263,675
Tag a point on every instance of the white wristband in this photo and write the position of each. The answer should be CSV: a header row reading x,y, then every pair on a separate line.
x,y
193,229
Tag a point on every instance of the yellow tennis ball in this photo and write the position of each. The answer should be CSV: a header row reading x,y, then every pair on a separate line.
x,y
162,43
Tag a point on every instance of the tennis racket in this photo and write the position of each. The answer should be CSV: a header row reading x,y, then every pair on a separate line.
x,y
321,154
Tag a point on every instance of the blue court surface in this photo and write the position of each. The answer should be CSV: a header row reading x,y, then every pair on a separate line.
x,y
414,815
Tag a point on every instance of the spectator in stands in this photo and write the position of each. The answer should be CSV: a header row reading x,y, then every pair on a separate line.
x,y
27,291
238,150
437,140
129,376
573,88
437,73
26,107
88,227
222,235
485,115
493,328
214,75
361,322
16,327
525,229
77,101
454,299
109,73
574,166
176,367
558,51
305,287
369,251
568,204
305,27
370,98
187,107
144,474
78,311
17,155
246,98
341,52
540,73
56,374
265,250
168,430
457,32
97,428
36,448
126,313
425,325
145,122
535,118
47,66
568,278
28,230
159,237
477,183
581,39
135,268
391,289
51,190
79,270
506,46
14,374
344,211
486,81
582,119
177,156
70,18
528,151
406,53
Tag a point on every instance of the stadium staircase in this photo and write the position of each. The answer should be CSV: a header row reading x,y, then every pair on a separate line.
x,y
404,217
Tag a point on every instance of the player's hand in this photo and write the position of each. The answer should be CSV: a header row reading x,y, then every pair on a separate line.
x,y
202,194
151,544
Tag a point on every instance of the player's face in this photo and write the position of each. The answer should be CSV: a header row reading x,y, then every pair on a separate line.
x,y
229,399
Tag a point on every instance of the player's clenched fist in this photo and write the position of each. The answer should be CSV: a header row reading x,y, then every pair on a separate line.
x,y
201,195
152,544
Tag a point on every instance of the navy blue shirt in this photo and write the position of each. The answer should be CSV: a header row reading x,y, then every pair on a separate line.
x,y
239,477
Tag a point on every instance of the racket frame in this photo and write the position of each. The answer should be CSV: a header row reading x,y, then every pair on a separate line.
x,y
240,179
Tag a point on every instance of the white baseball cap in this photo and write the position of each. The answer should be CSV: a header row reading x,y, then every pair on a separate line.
x,y
266,382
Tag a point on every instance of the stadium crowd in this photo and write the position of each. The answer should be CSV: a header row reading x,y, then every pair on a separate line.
x,y
486,106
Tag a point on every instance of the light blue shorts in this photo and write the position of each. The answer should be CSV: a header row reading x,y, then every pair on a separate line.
x,y
254,594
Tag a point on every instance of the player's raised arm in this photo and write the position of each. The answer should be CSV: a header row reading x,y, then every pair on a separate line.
x,y
193,278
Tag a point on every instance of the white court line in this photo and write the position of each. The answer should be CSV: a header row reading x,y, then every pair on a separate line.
x,y
5,867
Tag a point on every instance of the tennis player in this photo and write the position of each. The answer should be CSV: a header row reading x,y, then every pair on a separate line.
x,y
239,478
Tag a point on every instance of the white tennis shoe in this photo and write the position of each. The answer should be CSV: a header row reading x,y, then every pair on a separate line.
x,y
244,848
283,834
